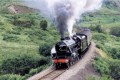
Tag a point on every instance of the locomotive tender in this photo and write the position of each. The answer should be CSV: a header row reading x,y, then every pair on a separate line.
x,y
69,50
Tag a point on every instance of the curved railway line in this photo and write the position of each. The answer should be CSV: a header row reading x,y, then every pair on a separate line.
x,y
52,75
62,74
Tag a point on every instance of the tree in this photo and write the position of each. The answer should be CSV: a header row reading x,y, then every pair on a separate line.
x,y
101,65
45,49
99,28
22,64
11,77
115,69
43,25
115,52
115,31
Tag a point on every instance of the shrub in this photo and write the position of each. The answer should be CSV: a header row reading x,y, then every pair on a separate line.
x,y
100,46
20,23
16,32
33,71
22,64
92,27
45,49
115,69
99,28
115,52
115,31
90,78
43,25
105,77
10,37
37,70
23,21
11,77
99,37
101,65
1,23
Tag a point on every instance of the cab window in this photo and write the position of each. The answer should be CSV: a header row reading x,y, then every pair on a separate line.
x,y
63,49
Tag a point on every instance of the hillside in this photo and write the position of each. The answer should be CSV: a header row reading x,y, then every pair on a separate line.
x,y
24,42
21,38
106,34
112,4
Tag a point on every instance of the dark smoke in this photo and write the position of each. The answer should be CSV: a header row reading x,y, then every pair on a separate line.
x,y
62,15
64,12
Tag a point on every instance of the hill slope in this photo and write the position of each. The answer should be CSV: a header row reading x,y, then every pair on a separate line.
x,y
24,41
106,33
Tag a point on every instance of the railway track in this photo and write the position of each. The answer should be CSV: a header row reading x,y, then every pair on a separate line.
x,y
65,74
52,75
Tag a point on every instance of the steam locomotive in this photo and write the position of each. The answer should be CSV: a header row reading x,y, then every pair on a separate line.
x,y
69,50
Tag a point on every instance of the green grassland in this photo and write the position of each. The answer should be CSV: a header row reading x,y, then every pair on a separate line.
x,y
25,45
21,38
18,40
105,25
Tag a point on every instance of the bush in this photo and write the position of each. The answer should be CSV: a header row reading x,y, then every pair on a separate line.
x,y
90,78
99,37
37,70
97,28
11,77
23,21
101,65
101,46
105,77
1,23
92,28
115,69
10,37
22,64
33,71
43,25
15,32
115,52
20,23
45,49
115,31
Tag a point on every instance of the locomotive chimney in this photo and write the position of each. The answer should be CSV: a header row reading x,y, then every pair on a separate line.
x,y
62,39
62,35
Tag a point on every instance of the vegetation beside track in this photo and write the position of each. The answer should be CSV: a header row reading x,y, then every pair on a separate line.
x,y
24,40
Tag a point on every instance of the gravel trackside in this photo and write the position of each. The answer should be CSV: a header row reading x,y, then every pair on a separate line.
x,y
76,71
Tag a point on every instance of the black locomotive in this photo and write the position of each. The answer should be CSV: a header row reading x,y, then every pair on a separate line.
x,y
69,50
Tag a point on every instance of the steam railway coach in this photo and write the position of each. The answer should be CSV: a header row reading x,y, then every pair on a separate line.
x,y
69,50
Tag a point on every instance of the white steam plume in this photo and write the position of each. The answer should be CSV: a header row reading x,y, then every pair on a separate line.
x,y
64,13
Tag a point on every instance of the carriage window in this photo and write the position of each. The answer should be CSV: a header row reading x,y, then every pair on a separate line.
x,y
84,44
